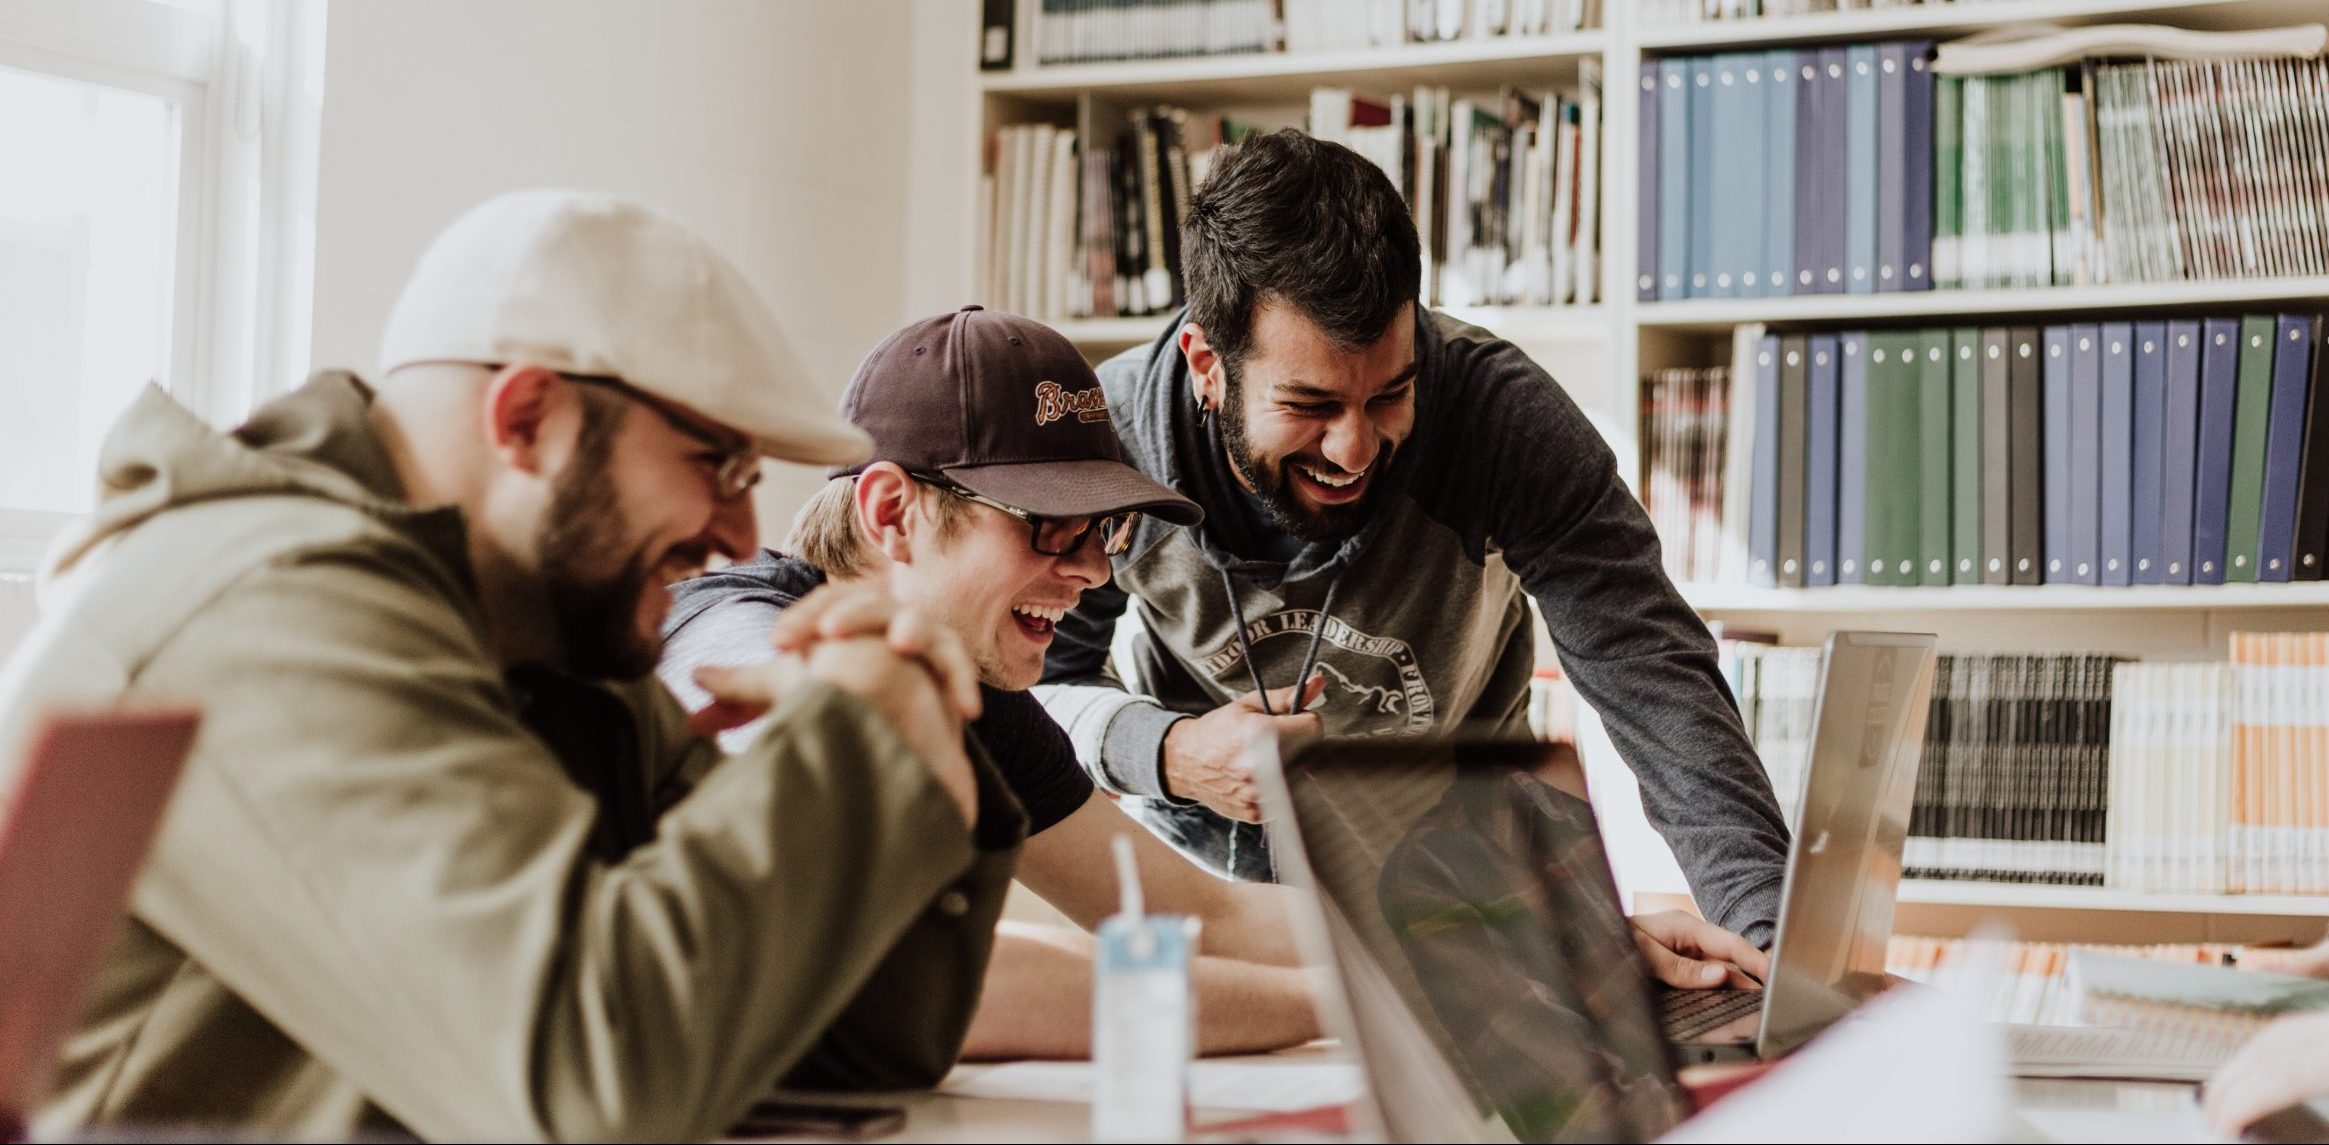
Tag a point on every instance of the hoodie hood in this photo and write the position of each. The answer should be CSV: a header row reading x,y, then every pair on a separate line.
x,y
317,441
1167,434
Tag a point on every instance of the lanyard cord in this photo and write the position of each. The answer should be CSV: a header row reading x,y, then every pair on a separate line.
x,y
1309,658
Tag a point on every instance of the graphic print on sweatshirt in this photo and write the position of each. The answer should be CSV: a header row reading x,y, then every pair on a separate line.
x,y
1375,676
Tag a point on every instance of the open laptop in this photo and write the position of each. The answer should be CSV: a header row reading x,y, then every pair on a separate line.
x,y
77,815
1489,979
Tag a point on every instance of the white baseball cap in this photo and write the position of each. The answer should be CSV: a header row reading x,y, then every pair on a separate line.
x,y
584,283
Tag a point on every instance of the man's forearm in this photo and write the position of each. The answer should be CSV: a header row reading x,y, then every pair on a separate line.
x,y
1118,735
1038,1000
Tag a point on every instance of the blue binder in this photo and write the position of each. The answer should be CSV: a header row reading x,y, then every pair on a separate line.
x,y
1891,274
2056,461
1820,461
2212,483
1736,177
1860,160
1646,224
2150,459
2086,462
1916,230
1763,493
1835,99
1779,115
1852,460
2118,447
2292,370
2179,443
1674,179
1703,177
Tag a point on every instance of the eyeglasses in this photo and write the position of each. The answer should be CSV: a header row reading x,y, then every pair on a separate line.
x,y
737,468
1053,536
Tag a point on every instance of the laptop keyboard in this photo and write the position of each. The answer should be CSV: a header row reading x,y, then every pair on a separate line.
x,y
1686,1014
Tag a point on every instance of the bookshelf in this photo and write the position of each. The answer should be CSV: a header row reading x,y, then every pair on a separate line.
x,y
1602,350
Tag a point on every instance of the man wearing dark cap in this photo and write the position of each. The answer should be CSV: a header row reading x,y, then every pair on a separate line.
x,y
1384,488
996,495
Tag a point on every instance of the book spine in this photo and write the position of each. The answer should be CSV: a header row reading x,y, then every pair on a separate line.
x,y
2118,442
2150,457
1934,426
2179,446
1820,465
1856,416
2291,373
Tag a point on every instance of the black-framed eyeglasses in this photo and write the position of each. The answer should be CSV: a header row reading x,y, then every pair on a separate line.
x,y
1053,536
737,468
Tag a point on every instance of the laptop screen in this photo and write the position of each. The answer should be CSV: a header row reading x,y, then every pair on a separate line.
x,y
1470,908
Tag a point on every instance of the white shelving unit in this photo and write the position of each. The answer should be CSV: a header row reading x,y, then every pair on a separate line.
x,y
1601,351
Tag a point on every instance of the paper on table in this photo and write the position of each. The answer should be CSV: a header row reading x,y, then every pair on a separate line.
x,y
1259,1085
2112,1052
1919,1064
2113,1125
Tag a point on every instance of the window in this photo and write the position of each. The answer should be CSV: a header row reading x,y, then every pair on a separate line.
x,y
148,226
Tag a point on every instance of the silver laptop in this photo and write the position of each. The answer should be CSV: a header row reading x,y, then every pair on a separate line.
x,y
1488,978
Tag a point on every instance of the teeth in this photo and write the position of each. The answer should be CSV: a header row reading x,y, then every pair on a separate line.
x,y
1038,612
1332,482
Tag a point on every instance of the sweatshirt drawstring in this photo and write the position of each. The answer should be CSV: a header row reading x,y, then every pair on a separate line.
x,y
1309,658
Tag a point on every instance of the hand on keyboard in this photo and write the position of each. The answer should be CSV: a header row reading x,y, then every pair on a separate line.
x,y
1688,951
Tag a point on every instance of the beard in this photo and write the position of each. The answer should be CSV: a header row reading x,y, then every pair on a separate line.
x,y
1273,484
595,616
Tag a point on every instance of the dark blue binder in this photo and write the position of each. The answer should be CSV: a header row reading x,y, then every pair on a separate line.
x,y
1703,177
2179,444
2212,483
2086,462
1852,460
2292,370
1779,206
2118,452
2150,460
1763,490
1891,274
1860,160
1820,462
2313,485
1835,98
2057,455
1916,230
1674,179
1811,85
1646,221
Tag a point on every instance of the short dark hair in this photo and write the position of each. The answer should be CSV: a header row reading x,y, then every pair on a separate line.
x,y
1311,224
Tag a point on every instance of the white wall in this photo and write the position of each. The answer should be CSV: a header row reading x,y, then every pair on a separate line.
x,y
777,128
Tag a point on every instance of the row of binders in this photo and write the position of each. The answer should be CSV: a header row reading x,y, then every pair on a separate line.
x,y
2163,451
2092,770
1859,169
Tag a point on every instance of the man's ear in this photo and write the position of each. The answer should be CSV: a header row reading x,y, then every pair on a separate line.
x,y
1206,369
520,402
884,501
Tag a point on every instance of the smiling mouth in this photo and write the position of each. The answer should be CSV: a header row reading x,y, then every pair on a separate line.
x,y
1333,487
1037,621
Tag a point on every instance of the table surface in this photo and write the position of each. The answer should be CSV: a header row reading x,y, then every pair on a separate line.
x,y
2050,1109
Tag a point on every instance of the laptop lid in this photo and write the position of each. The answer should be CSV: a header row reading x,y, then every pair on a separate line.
x,y
1489,980
75,826
1843,866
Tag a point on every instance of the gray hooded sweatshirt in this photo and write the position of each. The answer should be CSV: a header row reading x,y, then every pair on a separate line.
x,y
1503,488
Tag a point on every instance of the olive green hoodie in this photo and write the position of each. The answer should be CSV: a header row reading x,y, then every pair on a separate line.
x,y
374,901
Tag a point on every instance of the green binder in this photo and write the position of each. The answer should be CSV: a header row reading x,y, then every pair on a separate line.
x,y
2251,414
1965,456
1894,415
1933,457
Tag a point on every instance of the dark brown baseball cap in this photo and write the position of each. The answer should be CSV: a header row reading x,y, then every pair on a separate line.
x,y
1005,407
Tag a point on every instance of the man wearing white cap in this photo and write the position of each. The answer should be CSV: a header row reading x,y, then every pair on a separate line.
x,y
447,859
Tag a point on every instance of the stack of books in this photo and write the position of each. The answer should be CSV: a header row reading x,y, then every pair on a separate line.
x,y
1663,13
2086,770
2158,451
1089,31
2035,989
1684,431
1859,169
2014,782
1505,196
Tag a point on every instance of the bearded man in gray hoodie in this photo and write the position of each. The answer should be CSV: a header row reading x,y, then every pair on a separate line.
x,y
1381,484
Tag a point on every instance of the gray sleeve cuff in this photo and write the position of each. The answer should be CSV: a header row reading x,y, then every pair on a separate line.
x,y
1132,754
